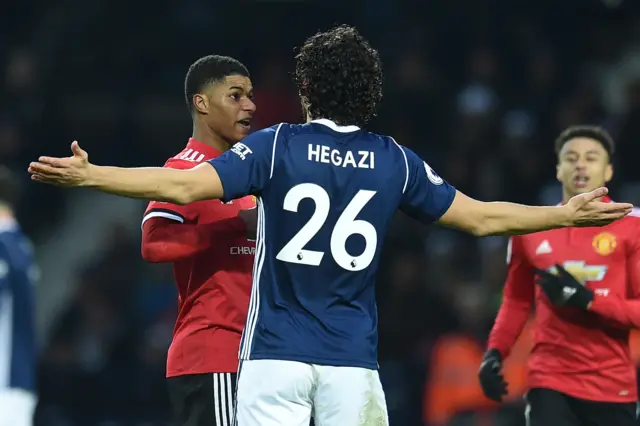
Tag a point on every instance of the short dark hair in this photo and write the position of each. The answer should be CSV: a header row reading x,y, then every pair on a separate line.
x,y
339,76
591,132
8,186
207,70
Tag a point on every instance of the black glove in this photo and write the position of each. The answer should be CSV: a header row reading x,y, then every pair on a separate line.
x,y
491,379
563,289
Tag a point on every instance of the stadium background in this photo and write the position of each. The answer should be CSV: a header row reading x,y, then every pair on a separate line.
x,y
479,88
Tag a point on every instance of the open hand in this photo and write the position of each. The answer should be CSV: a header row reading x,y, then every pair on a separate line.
x,y
587,210
68,171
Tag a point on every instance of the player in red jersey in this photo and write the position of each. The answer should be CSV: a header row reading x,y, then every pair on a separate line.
x,y
580,369
212,258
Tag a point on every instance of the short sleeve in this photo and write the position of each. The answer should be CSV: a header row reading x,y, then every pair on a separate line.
x,y
182,214
248,166
426,195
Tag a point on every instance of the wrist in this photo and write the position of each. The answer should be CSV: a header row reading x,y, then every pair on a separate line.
x,y
93,176
565,215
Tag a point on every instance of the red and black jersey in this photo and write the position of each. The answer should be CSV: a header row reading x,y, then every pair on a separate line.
x,y
212,261
582,354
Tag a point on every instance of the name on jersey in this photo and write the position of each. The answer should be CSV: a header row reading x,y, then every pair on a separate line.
x,y
324,154
240,250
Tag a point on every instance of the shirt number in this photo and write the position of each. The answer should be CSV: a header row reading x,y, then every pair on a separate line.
x,y
346,225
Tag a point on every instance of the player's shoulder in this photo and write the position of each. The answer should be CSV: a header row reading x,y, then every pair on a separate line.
x,y
176,162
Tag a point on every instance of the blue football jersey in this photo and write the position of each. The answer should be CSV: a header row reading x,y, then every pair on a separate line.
x,y
326,196
17,310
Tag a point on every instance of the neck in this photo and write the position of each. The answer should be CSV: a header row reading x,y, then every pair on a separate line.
x,y
203,133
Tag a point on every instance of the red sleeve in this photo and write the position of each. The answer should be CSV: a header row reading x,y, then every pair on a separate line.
x,y
175,212
171,232
517,301
164,240
624,311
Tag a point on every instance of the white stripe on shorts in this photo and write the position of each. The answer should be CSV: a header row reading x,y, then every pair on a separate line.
x,y
223,398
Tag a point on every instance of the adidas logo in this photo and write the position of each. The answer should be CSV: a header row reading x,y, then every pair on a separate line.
x,y
544,248
567,292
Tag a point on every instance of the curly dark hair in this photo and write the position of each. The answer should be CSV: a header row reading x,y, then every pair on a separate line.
x,y
339,76
591,132
207,70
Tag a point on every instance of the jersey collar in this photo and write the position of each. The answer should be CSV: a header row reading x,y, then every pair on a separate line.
x,y
336,128
208,151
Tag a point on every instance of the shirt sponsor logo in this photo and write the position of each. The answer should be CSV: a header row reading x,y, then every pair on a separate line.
x,y
241,150
242,250
583,272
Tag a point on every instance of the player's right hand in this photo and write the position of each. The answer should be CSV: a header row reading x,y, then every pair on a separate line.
x,y
588,210
491,378
67,171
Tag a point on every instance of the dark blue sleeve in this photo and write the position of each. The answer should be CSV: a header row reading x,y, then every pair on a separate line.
x,y
426,196
247,167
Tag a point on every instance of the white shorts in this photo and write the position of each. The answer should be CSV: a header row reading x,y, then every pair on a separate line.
x,y
16,407
288,393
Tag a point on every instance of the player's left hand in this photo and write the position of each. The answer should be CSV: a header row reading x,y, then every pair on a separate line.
x,y
563,289
68,171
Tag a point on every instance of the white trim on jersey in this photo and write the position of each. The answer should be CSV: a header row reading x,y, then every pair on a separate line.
x,y
223,399
254,302
406,165
166,215
6,338
333,126
273,152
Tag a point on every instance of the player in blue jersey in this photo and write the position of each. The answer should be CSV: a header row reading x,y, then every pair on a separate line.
x,y
17,310
327,191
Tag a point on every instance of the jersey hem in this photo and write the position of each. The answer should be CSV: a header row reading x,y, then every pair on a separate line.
x,y
446,206
314,360
540,384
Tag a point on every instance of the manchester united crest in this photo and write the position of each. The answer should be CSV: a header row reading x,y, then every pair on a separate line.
x,y
604,243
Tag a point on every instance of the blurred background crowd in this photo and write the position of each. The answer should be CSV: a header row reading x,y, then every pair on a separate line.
x,y
479,88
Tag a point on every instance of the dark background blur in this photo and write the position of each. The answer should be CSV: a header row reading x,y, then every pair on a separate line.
x,y
479,88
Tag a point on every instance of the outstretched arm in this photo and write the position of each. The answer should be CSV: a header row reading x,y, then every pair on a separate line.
x,y
502,218
428,198
151,183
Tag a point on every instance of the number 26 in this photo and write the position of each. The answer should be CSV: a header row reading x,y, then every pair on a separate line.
x,y
346,225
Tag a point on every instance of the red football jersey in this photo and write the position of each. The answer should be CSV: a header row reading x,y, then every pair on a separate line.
x,y
213,286
582,354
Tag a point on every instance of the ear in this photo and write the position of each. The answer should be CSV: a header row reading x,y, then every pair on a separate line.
x,y
558,177
201,103
608,173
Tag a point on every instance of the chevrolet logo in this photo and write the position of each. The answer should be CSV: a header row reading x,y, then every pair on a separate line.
x,y
583,272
